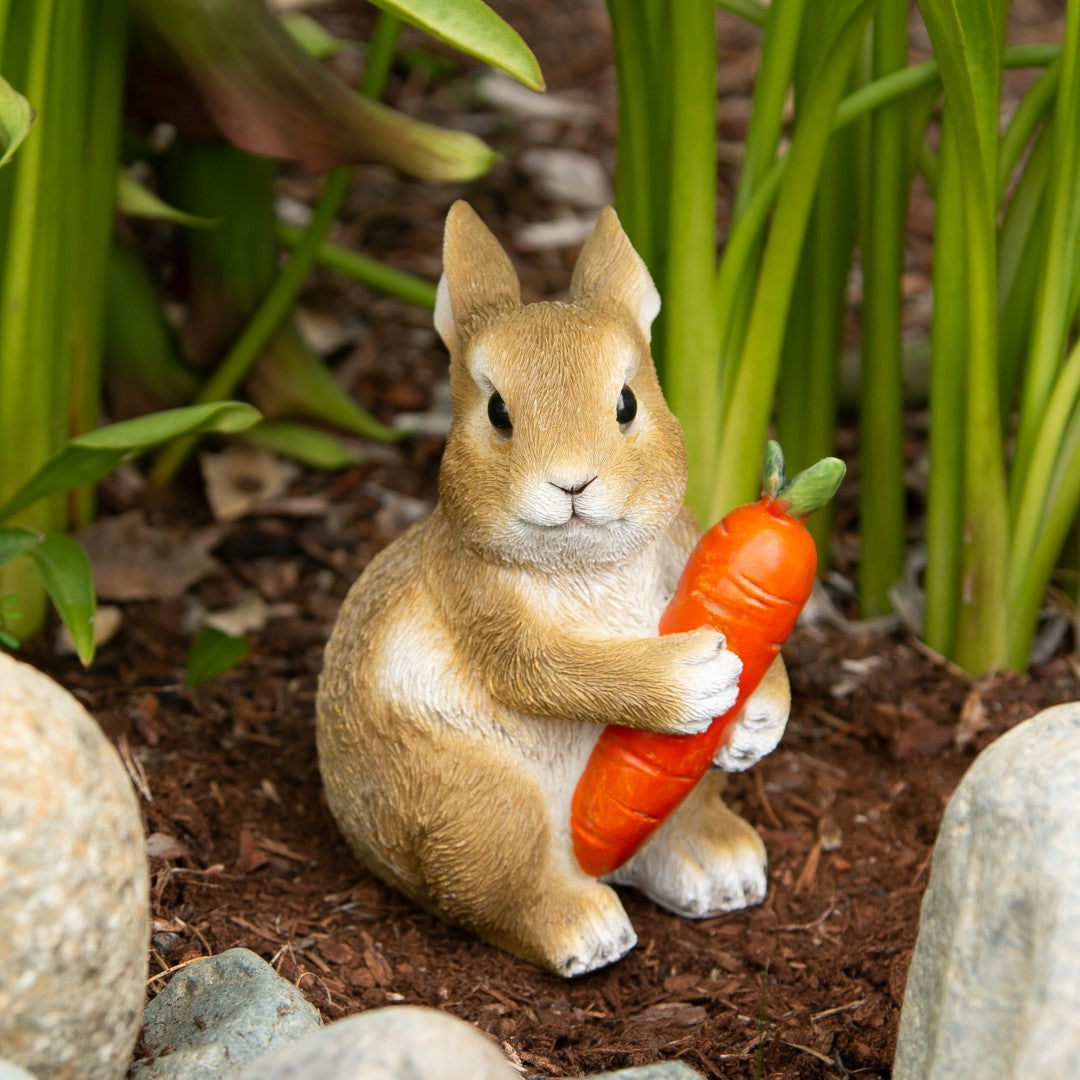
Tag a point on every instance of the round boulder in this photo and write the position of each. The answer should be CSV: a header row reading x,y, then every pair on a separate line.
x,y
74,884
398,1042
994,986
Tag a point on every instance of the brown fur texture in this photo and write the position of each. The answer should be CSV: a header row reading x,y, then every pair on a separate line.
x,y
476,660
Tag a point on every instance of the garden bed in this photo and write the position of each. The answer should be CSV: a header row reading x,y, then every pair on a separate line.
x,y
244,852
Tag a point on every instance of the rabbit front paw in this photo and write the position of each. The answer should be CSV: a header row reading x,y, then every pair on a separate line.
x,y
759,728
707,674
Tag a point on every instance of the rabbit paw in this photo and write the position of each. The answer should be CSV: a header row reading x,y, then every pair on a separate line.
x,y
599,934
707,674
760,725
759,729
699,874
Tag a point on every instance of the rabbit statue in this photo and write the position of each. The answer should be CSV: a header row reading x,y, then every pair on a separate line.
x,y
476,660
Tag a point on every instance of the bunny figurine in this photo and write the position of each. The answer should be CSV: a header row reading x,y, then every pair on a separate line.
x,y
477,659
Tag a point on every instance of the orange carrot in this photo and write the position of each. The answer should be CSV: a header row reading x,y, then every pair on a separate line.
x,y
749,577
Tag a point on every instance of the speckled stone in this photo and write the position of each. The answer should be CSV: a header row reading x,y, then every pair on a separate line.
x,y
398,1042
994,986
219,1014
74,913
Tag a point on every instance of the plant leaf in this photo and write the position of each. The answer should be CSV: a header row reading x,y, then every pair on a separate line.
x,y
311,35
212,653
228,68
65,571
14,540
88,458
471,27
137,200
16,116
301,442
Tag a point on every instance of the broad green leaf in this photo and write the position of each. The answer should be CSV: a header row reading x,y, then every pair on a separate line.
x,y
90,457
301,442
230,65
14,540
471,27
16,116
65,571
137,200
212,653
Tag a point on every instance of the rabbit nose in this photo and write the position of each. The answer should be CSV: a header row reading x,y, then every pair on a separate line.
x,y
575,490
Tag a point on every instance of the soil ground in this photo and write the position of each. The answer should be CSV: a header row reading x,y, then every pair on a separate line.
x,y
809,984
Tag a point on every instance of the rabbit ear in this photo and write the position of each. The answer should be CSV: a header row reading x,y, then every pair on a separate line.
x,y
478,278
610,274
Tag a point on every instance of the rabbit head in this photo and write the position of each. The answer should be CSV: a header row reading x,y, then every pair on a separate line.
x,y
562,450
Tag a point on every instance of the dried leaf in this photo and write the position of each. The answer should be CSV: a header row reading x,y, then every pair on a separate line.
x,y
248,615
132,560
240,478
249,855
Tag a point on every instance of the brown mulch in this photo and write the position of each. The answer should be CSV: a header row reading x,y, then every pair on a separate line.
x,y
809,984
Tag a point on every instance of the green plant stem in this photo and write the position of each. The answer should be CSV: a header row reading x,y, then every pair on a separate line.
x,y
741,243
1060,264
967,37
771,86
380,56
881,412
779,52
753,11
108,29
690,343
385,279
282,295
1037,545
641,71
1021,247
949,342
27,435
809,388
747,410
277,303
1029,114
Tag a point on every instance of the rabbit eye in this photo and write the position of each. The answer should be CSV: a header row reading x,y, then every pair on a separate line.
x,y
498,413
626,406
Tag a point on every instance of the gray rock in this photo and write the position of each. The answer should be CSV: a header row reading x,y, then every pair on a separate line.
x,y
662,1070
13,1072
219,1014
994,986
399,1042
74,913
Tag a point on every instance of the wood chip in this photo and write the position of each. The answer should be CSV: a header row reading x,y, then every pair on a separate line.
x,y
379,967
809,871
681,1013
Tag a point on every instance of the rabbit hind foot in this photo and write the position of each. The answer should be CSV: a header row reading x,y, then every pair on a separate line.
x,y
704,861
573,928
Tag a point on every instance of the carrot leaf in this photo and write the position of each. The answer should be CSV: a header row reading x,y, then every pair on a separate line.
x,y
808,491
